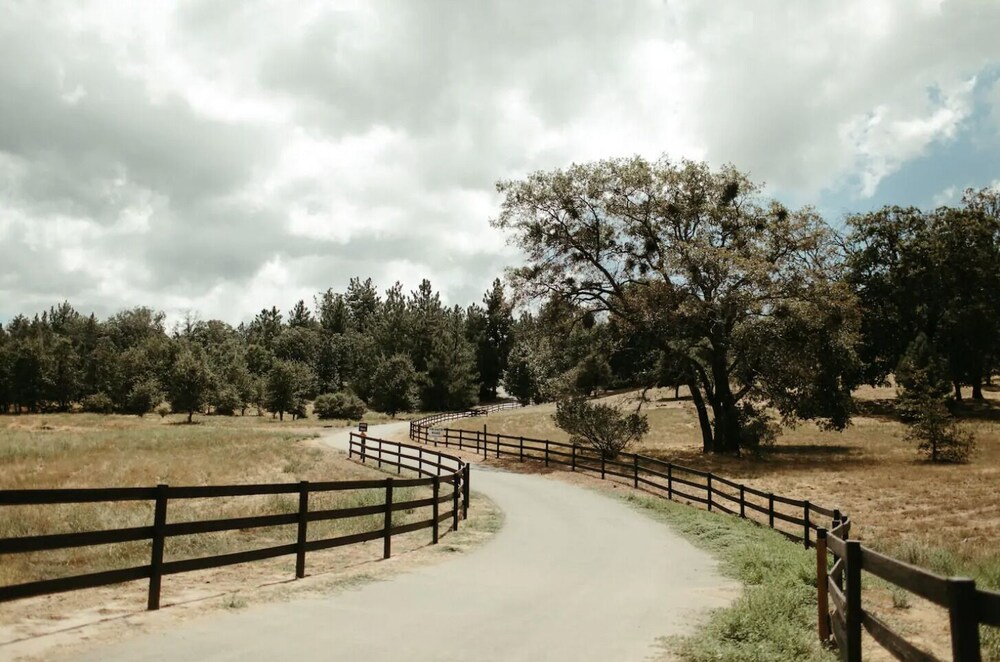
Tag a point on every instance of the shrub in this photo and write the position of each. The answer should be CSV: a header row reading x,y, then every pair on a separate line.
x,y
606,428
343,405
163,409
227,401
144,396
923,403
98,403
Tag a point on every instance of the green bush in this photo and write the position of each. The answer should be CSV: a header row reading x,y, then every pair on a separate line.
x,y
343,405
144,396
98,403
227,401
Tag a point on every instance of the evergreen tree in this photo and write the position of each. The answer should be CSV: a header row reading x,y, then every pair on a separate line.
x,y
922,400
493,346
393,385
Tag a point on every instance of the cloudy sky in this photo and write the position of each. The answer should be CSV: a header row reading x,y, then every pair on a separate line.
x,y
223,156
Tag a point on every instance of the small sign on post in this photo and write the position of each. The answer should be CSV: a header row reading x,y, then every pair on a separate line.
x,y
362,427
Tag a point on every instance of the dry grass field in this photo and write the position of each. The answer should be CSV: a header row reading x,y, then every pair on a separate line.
x,y
936,515
84,450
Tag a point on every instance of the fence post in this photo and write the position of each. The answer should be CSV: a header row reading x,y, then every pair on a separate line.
x,y
964,619
635,471
420,461
521,451
484,442
435,509
498,445
546,453
708,490
300,543
364,449
454,502
573,461
770,509
822,598
805,526
399,458
465,492
387,547
602,465
670,480
156,560
350,445
836,525
743,503
853,593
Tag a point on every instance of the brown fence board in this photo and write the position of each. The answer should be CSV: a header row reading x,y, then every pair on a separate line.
x,y
836,545
327,543
63,584
916,580
413,526
75,495
231,524
220,560
988,607
894,643
344,513
69,540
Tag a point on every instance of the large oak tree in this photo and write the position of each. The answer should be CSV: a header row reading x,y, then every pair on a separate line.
x,y
743,292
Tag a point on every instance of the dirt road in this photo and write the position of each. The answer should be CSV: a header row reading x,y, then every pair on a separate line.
x,y
572,575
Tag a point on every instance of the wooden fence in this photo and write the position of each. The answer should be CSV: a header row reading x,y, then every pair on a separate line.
x,y
839,560
446,475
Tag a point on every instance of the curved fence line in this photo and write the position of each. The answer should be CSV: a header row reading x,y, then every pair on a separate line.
x,y
839,560
437,470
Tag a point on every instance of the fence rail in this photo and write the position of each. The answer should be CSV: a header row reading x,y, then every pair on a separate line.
x,y
839,560
446,475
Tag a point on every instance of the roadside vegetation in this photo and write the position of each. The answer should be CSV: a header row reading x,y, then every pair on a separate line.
x,y
774,618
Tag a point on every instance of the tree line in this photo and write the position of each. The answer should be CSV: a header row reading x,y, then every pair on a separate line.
x,y
393,352
637,274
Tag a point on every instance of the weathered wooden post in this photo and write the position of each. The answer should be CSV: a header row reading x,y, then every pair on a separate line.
x,y
435,508
743,502
465,492
770,509
300,542
635,471
805,525
708,491
852,651
159,538
822,598
454,502
964,619
387,546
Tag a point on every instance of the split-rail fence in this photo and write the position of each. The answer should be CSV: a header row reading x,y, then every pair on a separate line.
x,y
446,475
839,560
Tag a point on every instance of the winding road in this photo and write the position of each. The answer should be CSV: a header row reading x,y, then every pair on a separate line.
x,y
573,575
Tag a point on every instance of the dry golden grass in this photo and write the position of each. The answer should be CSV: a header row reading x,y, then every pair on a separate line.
x,y
83,450
899,501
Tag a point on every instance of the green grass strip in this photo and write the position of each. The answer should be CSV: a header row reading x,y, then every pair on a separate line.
x,y
775,616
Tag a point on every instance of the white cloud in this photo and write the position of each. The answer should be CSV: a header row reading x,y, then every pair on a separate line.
x,y
229,156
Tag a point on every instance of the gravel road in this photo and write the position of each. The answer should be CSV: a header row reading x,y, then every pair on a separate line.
x,y
573,575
